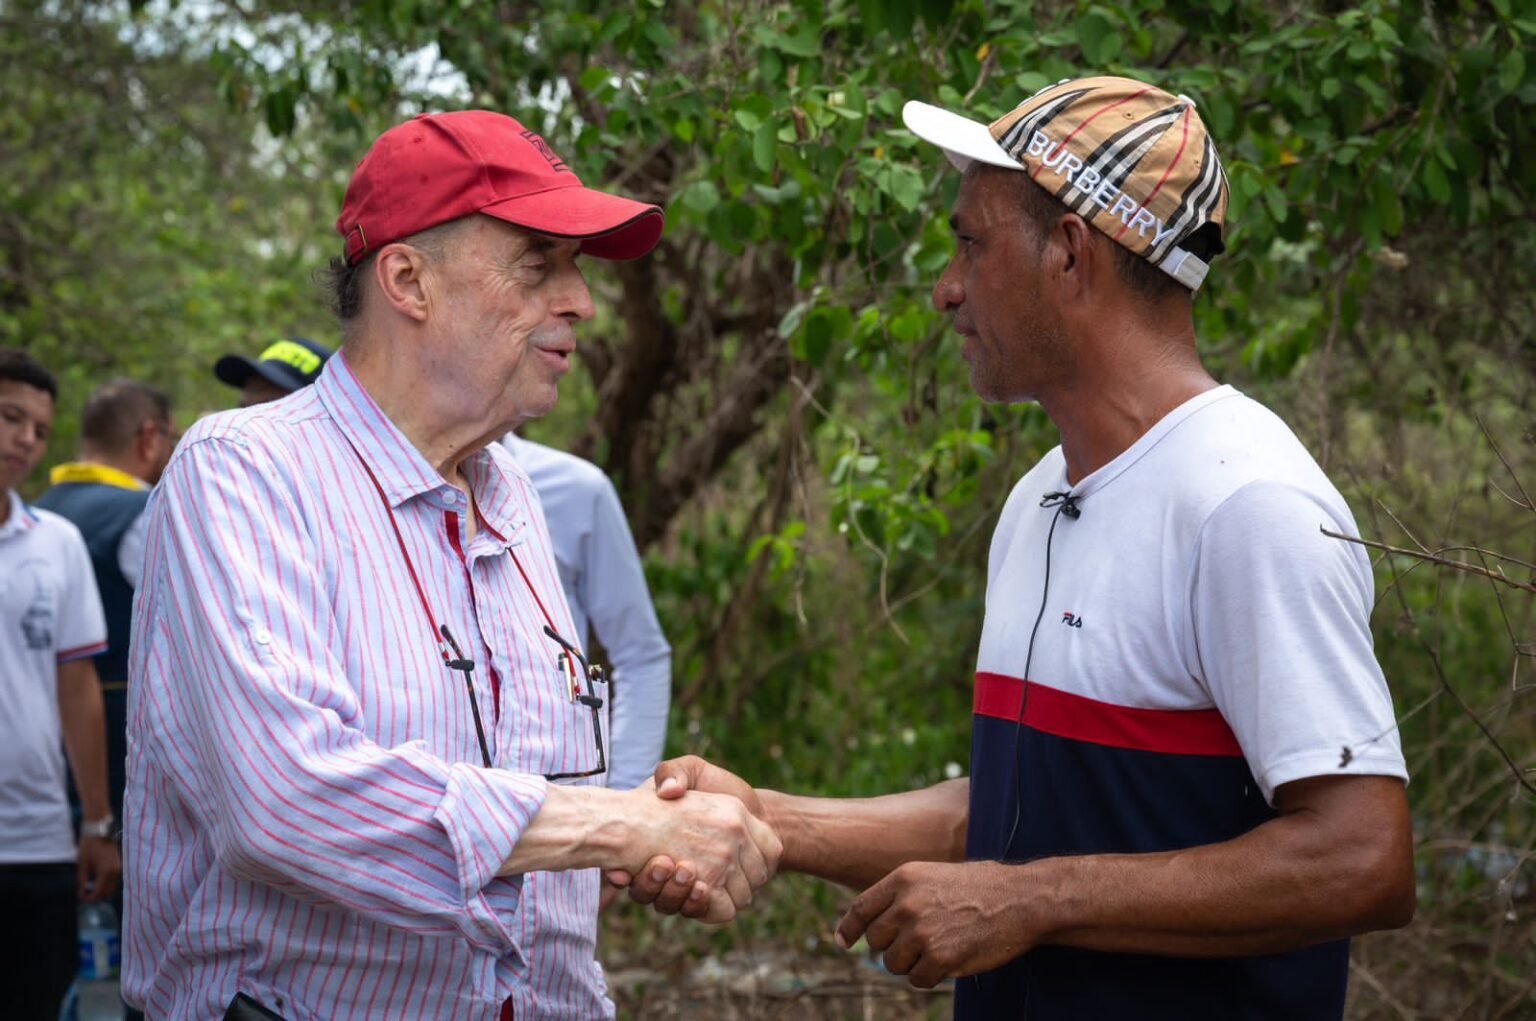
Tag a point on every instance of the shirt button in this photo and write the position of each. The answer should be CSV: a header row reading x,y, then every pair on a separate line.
x,y
262,636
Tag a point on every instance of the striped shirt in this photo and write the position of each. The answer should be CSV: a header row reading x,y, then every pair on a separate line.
x,y
308,820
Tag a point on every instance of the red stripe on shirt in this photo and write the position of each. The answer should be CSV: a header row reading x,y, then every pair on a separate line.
x,y
1077,718
80,652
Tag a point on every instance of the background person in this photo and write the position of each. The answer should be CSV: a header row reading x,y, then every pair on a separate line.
x,y
358,740
50,627
604,583
126,437
1186,788
278,371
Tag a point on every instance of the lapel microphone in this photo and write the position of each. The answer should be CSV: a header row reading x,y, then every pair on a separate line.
x,y
1066,501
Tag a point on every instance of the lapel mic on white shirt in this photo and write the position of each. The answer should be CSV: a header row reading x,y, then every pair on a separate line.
x,y
1066,501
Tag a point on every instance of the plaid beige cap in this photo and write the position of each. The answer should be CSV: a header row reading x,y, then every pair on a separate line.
x,y
1127,157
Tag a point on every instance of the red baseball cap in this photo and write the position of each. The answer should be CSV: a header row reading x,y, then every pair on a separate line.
x,y
442,166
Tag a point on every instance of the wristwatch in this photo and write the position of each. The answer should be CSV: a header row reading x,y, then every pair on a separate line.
x,y
100,829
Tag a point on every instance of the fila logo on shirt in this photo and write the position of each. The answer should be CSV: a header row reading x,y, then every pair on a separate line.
x,y
1071,619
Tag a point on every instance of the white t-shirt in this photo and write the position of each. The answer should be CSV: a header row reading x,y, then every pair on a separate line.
x,y
1196,578
50,613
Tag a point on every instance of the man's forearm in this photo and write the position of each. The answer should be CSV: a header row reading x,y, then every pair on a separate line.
x,y
856,841
1286,884
82,718
577,828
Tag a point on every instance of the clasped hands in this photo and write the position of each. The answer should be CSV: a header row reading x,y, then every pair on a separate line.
x,y
929,920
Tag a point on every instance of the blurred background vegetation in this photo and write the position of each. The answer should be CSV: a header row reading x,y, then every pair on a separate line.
x,y
810,479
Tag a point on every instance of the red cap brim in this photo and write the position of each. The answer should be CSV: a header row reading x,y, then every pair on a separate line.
x,y
609,227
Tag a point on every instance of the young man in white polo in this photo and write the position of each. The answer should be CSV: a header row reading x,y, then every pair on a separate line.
x,y
50,626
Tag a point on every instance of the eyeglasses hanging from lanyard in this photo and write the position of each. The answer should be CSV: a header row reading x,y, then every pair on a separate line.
x,y
454,658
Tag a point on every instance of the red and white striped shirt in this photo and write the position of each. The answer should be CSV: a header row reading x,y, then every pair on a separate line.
x,y
308,820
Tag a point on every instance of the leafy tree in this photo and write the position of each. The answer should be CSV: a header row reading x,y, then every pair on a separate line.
x,y
784,412
145,228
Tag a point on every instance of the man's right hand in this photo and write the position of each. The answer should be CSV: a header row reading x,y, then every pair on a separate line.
x,y
671,884
676,777
717,852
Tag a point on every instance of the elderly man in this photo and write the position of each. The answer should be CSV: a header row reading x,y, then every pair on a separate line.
x,y
1186,789
361,720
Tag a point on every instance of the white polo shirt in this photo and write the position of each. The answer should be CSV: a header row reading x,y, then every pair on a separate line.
x,y
50,613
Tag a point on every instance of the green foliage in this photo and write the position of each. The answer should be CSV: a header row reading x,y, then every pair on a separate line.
x,y
145,231
817,552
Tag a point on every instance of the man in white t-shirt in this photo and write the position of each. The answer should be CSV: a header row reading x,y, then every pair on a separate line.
x,y
1186,789
50,626
604,584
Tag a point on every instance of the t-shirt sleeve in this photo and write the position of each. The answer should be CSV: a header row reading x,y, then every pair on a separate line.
x,y
82,625
1281,617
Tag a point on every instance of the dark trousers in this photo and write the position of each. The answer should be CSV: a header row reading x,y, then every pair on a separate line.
x,y
37,939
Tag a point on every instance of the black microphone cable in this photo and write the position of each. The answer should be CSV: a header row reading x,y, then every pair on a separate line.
x,y
1066,504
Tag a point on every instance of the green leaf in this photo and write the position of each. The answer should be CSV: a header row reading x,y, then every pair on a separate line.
x,y
1435,182
1094,32
1512,70
280,109
594,78
1274,198
804,43
764,143
700,197
906,187
1031,82
815,341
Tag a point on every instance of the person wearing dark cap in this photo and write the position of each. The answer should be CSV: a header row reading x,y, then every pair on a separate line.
x,y
1187,787
366,780
278,371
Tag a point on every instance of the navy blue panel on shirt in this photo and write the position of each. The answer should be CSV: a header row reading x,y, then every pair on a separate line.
x,y
1089,797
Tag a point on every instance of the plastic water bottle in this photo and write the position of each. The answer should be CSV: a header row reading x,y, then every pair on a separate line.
x,y
95,994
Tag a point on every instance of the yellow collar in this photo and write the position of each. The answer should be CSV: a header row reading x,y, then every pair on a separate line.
x,y
85,471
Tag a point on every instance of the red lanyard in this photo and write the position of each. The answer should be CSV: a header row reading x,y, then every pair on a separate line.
x,y
454,658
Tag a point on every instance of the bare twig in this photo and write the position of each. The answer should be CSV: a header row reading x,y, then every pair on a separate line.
x,y
1380,989
1526,497
1433,557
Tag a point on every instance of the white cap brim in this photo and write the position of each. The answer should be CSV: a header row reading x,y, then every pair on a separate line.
x,y
963,140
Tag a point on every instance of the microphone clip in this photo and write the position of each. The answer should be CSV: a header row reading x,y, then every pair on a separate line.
x,y
1065,500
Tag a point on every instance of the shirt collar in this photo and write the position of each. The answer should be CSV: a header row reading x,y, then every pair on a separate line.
x,y
89,471
400,468
21,519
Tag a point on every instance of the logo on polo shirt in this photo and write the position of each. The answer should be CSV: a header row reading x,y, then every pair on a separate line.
x,y
1071,619
37,622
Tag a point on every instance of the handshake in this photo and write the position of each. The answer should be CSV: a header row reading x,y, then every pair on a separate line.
x,y
698,841
715,847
